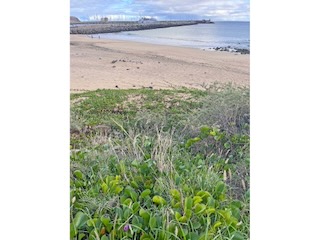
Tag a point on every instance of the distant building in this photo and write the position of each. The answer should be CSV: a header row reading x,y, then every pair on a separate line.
x,y
147,20
205,21
104,19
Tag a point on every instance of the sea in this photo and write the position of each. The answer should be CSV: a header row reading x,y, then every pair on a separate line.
x,y
227,34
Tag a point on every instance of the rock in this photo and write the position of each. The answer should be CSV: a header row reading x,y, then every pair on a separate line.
x,y
74,20
243,51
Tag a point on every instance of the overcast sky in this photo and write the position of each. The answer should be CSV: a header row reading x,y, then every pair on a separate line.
x,y
217,10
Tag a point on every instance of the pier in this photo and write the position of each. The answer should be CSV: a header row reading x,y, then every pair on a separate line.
x,y
111,27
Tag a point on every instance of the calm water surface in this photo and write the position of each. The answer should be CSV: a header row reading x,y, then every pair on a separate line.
x,y
220,34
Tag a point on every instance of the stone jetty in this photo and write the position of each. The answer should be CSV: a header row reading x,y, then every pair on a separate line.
x,y
111,27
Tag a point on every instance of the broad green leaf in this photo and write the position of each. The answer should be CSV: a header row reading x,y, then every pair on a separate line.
x,y
153,222
177,179
188,213
159,200
104,237
118,189
119,212
172,227
203,194
197,199
135,207
196,224
199,208
226,145
175,204
210,211
134,184
137,221
214,132
205,131
192,141
188,203
131,192
213,229
145,193
235,212
81,235
78,183
217,224
219,188
78,174
135,163
177,215
127,213
175,194
211,202
90,223
127,202
145,237
92,235
80,220
182,232
226,214
105,221
73,231
144,214
104,187
193,236
183,219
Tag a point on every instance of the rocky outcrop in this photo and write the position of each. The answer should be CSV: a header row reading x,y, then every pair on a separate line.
x,y
74,20
230,49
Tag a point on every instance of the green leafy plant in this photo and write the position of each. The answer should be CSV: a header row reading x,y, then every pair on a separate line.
x,y
146,178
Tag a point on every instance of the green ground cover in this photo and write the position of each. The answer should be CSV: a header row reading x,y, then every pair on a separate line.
x,y
160,164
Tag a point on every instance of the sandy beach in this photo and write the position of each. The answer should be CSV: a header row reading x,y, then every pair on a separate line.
x,y
110,64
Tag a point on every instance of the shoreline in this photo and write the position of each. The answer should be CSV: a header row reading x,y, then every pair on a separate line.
x,y
221,49
118,64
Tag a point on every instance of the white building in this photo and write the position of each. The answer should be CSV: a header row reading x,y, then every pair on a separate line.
x,y
147,20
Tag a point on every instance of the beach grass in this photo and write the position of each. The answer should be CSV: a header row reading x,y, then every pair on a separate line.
x,y
160,164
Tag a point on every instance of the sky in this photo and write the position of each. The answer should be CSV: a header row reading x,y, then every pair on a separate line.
x,y
216,10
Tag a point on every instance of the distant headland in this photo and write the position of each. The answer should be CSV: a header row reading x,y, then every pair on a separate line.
x,y
105,26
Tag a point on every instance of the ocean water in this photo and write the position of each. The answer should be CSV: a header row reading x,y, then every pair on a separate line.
x,y
205,36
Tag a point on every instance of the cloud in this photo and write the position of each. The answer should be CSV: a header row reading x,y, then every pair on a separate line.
x,y
173,9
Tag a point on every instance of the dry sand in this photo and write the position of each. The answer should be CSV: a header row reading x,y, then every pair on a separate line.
x,y
110,64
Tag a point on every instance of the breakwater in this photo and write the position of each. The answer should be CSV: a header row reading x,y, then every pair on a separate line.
x,y
112,27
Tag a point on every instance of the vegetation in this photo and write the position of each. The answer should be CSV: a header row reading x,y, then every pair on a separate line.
x,y
160,164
